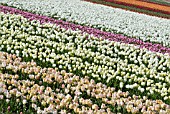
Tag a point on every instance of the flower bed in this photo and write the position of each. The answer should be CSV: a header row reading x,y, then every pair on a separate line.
x,y
52,66
91,31
140,26
123,66
44,90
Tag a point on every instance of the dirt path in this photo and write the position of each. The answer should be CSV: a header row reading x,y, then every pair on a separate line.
x,y
146,4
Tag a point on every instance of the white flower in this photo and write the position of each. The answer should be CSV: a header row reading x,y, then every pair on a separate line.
x,y
142,90
121,84
151,91
165,98
143,83
7,100
24,101
127,86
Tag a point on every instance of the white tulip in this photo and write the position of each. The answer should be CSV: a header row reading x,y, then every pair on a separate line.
x,y
121,84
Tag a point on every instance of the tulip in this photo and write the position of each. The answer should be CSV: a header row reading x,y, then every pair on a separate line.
x,y
24,101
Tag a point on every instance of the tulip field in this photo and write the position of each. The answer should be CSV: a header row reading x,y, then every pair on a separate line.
x,y
77,57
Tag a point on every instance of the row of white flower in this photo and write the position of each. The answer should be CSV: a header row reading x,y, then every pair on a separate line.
x,y
58,99
140,69
132,24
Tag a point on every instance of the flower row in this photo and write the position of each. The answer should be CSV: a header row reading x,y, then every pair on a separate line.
x,y
111,62
92,31
57,91
140,26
